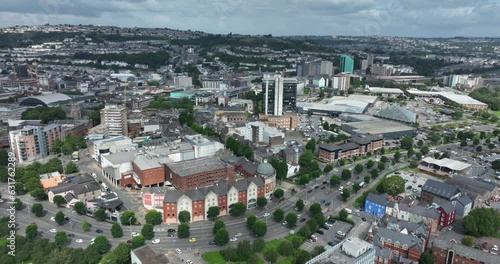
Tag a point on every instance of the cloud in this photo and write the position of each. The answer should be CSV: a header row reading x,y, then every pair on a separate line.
x,y
416,18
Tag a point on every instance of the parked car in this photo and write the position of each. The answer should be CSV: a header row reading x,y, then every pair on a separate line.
x,y
71,235
325,227
233,239
364,219
53,230
302,220
327,204
284,223
238,235
212,242
79,241
53,219
192,240
92,241
340,233
320,232
134,234
99,231
178,251
267,214
171,230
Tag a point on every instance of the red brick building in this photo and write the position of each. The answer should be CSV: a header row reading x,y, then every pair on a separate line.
x,y
148,171
455,253
447,214
402,245
357,146
200,172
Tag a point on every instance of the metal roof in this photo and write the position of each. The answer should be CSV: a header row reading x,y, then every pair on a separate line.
x,y
47,99
440,188
397,113
451,164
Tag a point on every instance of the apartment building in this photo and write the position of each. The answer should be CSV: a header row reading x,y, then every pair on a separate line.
x,y
34,142
115,119
280,95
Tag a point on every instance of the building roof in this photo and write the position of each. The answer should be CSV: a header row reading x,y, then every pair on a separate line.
x,y
395,236
394,112
195,166
440,188
378,198
266,169
471,185
448,207
469,252
385,90
46,100
363,140
461,99
378,126
120,157
146,255
349,146
451,164
146,162
330,147
423,211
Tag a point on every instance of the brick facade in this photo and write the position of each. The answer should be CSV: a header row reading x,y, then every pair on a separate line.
x,y
199,179
149,177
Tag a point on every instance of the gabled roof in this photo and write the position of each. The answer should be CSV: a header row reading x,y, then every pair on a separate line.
x,y
330,147
448,207
380,199
349,146
440,188
471,185
395,236
394,112
425,212
451,164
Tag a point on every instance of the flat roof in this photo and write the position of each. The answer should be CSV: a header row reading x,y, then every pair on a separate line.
x,y
147,162
190,167
451,164
462,99
385,90
379,126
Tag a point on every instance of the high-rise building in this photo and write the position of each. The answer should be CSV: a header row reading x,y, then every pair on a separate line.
x,y
369,58
346,64
326,68
115,119
342,82
280,94
314,68
34,142
364,65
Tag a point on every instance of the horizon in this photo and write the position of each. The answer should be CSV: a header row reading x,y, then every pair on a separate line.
x,y
393,18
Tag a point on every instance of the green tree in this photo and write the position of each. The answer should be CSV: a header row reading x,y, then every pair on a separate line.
x,y
116,230
313,225
370,164
59,200
496,165
278,215
60,218
259,228
61,238
213,212
86,226
311,145
291,219
346,193
384,159
100,214
18,204
258,245
491,146
37,209
299,204
426,258
286,248
218,224
261,201
407,143
271,255
80,208
183,230
418,155
244,249
479,149
356,187
31,231
397,156
467,241
102,244
320,219
315,208
346,174
476,141
343,215
278,193
251,219
367,179
393,185
305,231
128,218
328,168
238,209
222,237
381,166
281,169
420,143
154,217
120,255
335,180
138,241
148,231
71,168
38,194
184,217
359,168
482,222
463,144
374,173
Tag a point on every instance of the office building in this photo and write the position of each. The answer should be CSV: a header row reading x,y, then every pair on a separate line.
x,y
341,82
183,81
34,142
280,95
115,119
346,64
314,68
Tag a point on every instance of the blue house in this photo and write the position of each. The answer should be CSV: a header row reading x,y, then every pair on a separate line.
x,y
376,204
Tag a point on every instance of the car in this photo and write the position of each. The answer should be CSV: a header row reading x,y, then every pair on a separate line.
x,y
323,187
266,215
325,182
340,233
170,235
134,234
320,232
53,219
129,241
326,227
364,219
323,201
477,246
233,239
155,241
67,218
238,235
331,222
302,220
192,240
2,201
450,228
53,230
92,241
313,238
79,241
178,251
331,244
316,187
284,223
328,204
309,191
328,224
171,230
296,209
99,231
189,262
494,247
71,235
212,242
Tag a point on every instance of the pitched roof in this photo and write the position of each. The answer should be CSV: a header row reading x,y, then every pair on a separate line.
x,y
440,188
422,211
363,140
394,112
448,207
395,236
378,198
469,252
146,255
451,164
471,185
330,147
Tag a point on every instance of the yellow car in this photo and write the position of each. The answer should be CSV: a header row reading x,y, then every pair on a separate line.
x,y
192,240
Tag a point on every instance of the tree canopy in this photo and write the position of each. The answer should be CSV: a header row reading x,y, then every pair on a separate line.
x,y
482,222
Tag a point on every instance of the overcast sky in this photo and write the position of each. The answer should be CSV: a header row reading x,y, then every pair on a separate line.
x,y
415,18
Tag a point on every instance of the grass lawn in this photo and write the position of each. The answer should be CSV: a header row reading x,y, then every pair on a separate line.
x,y
272,244
213,257
497,113
3,242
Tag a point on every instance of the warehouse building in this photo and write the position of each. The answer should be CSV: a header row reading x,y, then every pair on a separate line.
x,y
388,129
397,113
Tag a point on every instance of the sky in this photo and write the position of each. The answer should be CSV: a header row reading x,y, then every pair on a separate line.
x,y
411,18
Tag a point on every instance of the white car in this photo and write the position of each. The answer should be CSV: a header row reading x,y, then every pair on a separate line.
x,y
299,216
267,214
155,241
134,234
238,235
178,251
2,201
233,239
53,219
340,233
494,247
79,241
92,241
53,230
189,262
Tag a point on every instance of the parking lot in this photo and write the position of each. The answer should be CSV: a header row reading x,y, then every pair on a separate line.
x,y
329,236
414,181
